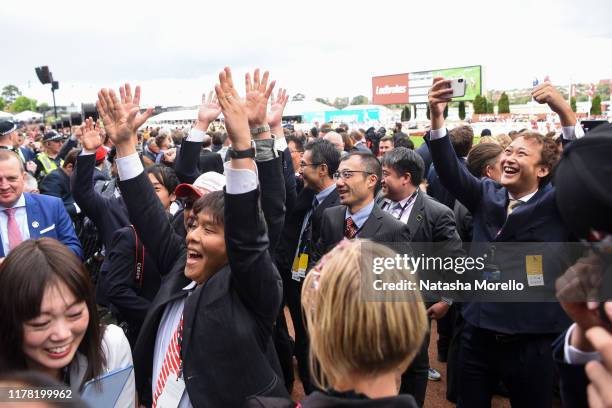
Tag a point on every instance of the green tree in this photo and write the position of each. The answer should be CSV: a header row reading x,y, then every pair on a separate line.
x,y
427,113
603,90
503,105
461,110
341,103
43,107
360,100
596,105
415,111
573,103
406,113
478,104
323,100
10,93
2,104
298,97
23,103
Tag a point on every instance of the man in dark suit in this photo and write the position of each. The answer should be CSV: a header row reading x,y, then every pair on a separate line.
x,y
208,331
508,341
300,232
24,215
57,184
357,180
428,222
209,161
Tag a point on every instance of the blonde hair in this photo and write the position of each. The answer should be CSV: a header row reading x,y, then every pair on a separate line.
x,y
352,336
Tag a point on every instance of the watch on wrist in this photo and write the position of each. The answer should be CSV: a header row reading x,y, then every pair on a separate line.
x,y
259,130
242,154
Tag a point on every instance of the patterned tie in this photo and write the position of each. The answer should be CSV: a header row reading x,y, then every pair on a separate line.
x,y
172,362
351,228
14,235
513,204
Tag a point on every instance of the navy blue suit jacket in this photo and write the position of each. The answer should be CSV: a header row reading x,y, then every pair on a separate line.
x,y
537,220
47,218
572,377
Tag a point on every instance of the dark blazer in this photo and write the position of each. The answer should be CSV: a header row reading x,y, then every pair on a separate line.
x,y
108,213
47,218
436,190
127,296
379,227
293,225
57,184
573,381
537,220
423,151
227,348
210,161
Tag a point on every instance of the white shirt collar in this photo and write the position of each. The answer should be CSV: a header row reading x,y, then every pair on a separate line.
x,y
191,286
524,198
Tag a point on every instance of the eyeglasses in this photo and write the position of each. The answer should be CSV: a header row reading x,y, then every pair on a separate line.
x,y
302,164
347,174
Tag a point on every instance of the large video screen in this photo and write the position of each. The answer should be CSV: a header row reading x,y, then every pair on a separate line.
x,y
420,82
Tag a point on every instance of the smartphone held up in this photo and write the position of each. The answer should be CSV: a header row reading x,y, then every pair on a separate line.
x,y
458,87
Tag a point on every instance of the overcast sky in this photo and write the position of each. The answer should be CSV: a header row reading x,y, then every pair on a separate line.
x,y
322,48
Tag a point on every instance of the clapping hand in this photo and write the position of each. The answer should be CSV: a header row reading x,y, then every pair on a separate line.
x,y
277,106
90,136
209,111
257,94
122,117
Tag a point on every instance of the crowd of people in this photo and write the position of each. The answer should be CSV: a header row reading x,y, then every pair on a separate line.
x,y
211,240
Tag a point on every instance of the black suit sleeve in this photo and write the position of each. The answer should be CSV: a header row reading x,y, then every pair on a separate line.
x,y
186,165
453,175
272,197
93,204
150,220
253,273
121,277
290,183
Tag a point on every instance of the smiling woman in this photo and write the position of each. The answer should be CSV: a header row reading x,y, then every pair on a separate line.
x,y
50,322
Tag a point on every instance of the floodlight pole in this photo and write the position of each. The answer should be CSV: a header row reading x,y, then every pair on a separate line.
x,y
54,107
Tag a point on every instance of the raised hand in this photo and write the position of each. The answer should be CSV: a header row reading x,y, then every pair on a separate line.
x,y
209,111
257,94
277,106
121,117
234,110
548,94
90,136
439,95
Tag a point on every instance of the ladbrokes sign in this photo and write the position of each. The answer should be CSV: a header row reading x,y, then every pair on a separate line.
x,y
390,89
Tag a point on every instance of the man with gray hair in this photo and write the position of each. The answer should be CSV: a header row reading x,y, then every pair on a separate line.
x,y
336,139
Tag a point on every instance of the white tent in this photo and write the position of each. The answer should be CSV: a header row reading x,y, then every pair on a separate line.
x,y
27,116
5,115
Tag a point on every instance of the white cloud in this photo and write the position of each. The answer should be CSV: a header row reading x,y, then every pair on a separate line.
x,y
320,48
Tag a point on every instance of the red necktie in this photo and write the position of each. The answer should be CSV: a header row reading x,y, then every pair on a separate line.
x,y
350,230
14,235
172,362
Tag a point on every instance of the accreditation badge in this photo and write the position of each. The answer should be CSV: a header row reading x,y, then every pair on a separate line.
x,y
533,266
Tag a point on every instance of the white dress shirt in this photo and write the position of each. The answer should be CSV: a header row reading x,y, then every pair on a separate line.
x,y
21,217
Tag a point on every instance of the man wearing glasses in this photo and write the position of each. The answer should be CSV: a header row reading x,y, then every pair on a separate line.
x,y
357,181
294,253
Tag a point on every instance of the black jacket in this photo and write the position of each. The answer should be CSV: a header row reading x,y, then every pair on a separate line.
x,y
210,161
293,225
318,399
130,294
227,349
379,227
57,184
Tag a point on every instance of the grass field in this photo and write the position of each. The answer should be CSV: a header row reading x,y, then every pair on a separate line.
x,y
418,140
